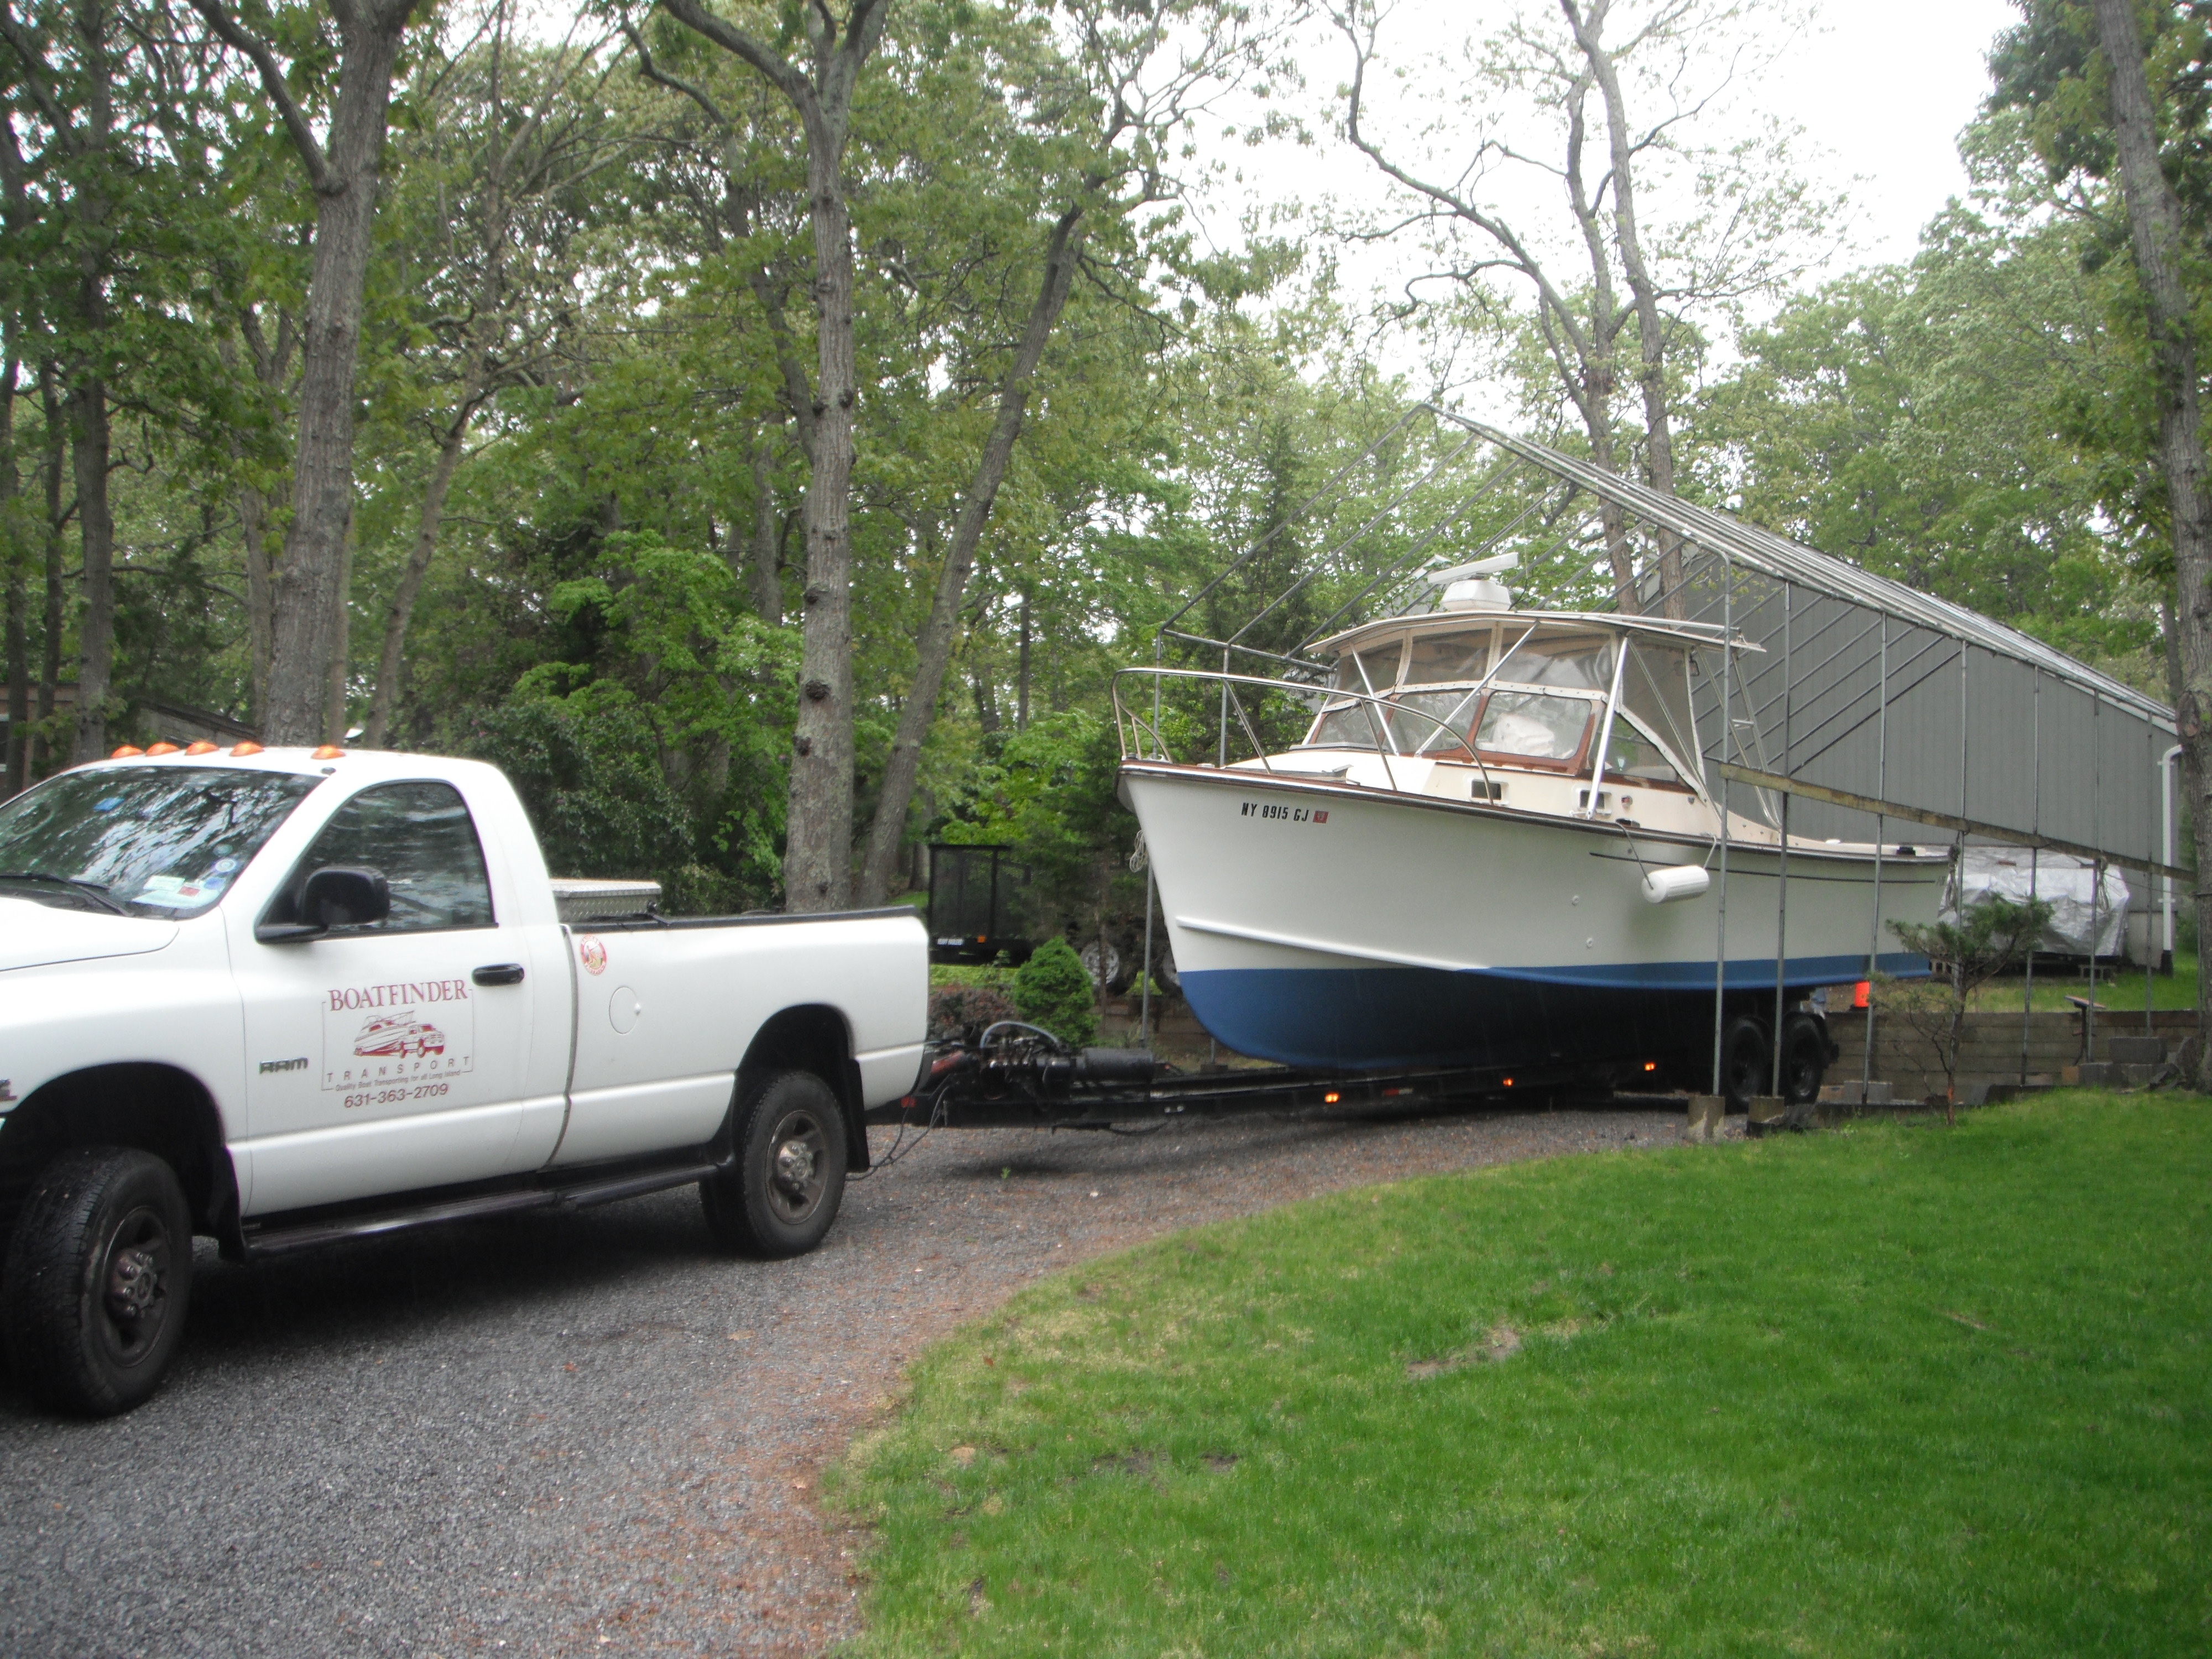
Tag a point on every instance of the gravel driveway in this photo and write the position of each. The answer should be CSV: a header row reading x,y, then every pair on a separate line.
x,y
591,1435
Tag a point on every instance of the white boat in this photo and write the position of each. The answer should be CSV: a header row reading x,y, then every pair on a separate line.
x,y
1496,846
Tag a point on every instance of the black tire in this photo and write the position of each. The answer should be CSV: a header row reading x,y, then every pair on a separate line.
x,y
790,1176
1804,1059
99,1280
1747,1063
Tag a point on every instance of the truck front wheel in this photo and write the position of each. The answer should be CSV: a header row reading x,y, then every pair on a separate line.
x,y
783,1193
99,1280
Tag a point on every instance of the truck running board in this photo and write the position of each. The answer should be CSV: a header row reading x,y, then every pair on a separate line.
x,y
604,1189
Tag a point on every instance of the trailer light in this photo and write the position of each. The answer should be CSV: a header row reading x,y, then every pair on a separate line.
x,y
1509,1082
1651,1065
203,747
328,752
126,751
1331,1098
161,749
249,747
1863,994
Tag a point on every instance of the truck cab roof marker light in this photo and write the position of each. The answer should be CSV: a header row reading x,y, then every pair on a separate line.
x,y
249,747
126,752
161,749
328,752
203,747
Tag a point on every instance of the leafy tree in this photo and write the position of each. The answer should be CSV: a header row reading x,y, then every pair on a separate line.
x,y
1916,420
1995,934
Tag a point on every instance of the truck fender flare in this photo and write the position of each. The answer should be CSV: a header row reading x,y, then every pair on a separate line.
x,y
812,1037
154,1107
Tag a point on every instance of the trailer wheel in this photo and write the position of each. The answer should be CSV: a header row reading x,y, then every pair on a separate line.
x,y
1747,1063
1804,1059
782,1195
99,1280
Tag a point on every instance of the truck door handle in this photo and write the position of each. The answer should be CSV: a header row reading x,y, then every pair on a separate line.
x,y
499,973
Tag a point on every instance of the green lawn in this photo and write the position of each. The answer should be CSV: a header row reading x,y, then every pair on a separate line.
x,y
1895,1391
2119,994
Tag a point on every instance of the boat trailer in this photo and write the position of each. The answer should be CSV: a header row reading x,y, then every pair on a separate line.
x,y
1013,1075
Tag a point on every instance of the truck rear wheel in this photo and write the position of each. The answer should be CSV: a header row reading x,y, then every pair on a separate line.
x,y
782,1195
99,1280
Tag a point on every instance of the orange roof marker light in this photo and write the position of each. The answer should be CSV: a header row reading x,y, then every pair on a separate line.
x,y
249,747
203,747
328,752
126,751
161,749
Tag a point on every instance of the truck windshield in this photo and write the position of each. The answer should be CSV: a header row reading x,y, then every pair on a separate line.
x,y
141,841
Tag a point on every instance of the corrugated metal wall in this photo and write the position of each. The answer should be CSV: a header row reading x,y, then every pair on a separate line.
x,y
2040,754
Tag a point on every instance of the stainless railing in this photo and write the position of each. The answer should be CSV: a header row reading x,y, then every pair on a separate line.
x,y
1143,738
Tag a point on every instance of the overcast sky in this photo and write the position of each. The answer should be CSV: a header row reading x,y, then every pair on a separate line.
x,y
1880,88
1885,88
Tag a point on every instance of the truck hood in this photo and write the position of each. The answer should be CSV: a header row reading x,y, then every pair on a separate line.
x,y
35,935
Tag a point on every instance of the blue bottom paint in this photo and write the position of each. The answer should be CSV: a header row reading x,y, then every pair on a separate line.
x,y
1359,1018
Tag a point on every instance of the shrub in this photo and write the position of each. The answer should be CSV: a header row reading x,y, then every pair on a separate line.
x,y
963,1011
1053,991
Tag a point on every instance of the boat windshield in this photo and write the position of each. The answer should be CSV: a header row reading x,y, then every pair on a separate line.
x,y
1633,757
1528,726
1547,694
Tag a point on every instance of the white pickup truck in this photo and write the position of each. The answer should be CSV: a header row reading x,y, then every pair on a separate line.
x,y
280,997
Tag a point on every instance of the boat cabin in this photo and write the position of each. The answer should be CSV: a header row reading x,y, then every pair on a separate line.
x,y
1514,708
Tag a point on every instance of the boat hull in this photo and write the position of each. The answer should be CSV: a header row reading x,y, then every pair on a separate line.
x,y
1323,924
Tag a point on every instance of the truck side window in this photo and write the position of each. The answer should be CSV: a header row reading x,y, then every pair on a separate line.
x,y
421,836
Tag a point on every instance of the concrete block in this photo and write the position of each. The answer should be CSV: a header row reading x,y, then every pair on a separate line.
x,y
1767,1114
1857,1093
2138,1075
2136,1050
1707,1114
2090,1074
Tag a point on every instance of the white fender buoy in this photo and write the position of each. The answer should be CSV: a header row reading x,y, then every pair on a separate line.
x,y
1676,881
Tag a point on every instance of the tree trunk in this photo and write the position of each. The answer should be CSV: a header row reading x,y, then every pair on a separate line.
x,y
985,691
253,516
766,564
938,633
401,612
337,682
303,637
260,597
89,452
16,553
50,652
818,861
87,392
1599,369
1659,436
2155,224
1022,672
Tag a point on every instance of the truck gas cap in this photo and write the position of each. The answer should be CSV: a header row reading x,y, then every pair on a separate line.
x,y
623,1009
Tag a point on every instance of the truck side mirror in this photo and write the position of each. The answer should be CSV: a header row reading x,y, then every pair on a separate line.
x,y
336,895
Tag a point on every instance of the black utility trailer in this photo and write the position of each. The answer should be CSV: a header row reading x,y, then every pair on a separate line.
x,y
979,905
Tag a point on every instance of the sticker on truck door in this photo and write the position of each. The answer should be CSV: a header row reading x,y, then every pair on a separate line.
x,y
407,1037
